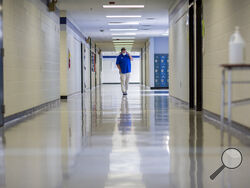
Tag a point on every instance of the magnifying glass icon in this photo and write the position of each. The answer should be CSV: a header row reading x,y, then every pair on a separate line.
x,y
231,158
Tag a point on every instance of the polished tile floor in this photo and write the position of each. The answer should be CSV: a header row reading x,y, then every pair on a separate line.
x,y
105,140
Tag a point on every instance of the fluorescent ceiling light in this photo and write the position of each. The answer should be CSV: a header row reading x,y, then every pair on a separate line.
x,y
123,6
123,29
124,16
166,34
124,23
124,46
121,41
119,48
124,43
123,34
127,45
123,37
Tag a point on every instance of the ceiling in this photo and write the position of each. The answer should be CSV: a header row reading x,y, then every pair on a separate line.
x,y
90,17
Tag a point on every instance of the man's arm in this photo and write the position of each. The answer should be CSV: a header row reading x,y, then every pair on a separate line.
x,y
118,64
131,58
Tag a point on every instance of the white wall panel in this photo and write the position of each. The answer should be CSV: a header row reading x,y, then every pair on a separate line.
x,y
179,57
74,73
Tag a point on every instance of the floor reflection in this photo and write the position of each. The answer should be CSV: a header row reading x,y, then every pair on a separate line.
x,y
125,120
102,139
2,160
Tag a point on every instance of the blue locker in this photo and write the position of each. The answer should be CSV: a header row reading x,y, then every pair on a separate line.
x,y
161,70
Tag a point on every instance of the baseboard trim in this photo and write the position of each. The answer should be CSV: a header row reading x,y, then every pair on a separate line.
x,y
210,116
159,88
237,129
21,116
186,104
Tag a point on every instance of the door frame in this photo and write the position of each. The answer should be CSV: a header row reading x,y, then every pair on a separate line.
x,y
191,56
82,67
195,67
2,107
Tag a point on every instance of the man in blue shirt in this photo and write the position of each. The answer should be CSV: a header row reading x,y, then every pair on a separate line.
x,y
123,62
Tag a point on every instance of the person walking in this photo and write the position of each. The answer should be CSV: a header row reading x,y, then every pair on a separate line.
x,y
123,63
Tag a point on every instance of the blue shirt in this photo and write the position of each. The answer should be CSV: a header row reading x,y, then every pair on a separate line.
x,y
124,62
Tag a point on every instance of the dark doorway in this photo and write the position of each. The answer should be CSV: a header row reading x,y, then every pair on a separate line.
x,y
198,47
199,56
191,55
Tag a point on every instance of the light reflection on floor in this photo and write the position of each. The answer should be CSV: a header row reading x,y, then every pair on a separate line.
x,y
144,140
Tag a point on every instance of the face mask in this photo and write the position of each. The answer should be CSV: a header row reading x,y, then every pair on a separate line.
x,y
124,53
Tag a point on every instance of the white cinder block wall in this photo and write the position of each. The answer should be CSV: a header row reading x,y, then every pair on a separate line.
x,y
32,58
220,18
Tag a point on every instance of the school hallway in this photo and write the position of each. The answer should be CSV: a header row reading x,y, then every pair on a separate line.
x,y
67,119
104,139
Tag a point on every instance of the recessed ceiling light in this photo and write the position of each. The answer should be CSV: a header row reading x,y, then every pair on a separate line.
x,y
124,16
123,6
124,23
123,38
123,29
123,34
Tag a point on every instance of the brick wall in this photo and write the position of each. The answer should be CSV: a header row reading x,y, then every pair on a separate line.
x,y
32,58
220,19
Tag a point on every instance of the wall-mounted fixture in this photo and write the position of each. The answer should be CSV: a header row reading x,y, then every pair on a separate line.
x,y
88,40
52,5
